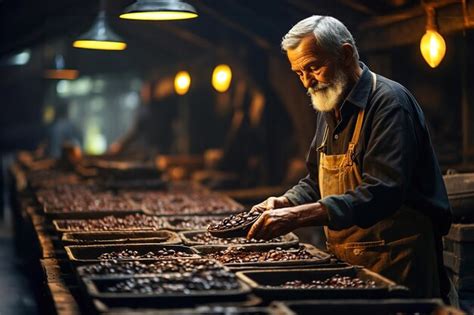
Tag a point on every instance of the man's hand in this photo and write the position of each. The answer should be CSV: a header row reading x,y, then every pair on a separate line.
x,y
273,223
272,203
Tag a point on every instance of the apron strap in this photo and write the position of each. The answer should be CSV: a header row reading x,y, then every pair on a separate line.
x,y
358,126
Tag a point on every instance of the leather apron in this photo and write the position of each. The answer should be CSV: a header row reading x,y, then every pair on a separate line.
x,y
400,247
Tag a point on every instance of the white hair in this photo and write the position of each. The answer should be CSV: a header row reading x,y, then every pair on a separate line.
x,y
330,34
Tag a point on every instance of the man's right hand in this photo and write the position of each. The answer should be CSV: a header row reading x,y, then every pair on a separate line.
x,y
272,203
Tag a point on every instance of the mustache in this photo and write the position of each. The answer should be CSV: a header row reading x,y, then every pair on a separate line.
x,y
317,87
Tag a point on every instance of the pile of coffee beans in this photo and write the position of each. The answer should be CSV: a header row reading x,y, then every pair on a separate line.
x,y
235,255
133,254
174,283
79,199
192,223
115,267
205,238
335,282
113,223
166,203
236,220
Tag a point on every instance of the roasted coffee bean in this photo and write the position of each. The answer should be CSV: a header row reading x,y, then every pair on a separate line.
x,y
113,223
241,255
133,254
176,203
161,266
335,282
235,220
207,239
178,283
192,223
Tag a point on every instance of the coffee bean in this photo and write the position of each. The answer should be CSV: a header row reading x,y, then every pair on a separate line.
x,y
113,223
206,238
235,221
192,223
241,255
161,266
335,282
78,198
178,283
179,203
131,254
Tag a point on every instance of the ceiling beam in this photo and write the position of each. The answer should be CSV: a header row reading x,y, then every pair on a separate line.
x,y
359,7
450,19
384,20
188,36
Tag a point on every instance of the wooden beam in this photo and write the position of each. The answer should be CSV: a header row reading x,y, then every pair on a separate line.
x,y
357,6
408,31
260,41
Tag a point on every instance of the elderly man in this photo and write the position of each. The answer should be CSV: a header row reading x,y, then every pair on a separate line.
x,y
374,180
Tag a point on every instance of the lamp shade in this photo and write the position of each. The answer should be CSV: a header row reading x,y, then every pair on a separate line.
x,y
159,10
100,36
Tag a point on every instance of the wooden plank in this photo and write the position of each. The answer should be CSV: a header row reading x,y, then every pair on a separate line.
x,y
64,302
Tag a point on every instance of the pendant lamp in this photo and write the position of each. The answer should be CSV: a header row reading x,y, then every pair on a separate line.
x,y
159,10
100,36
59,71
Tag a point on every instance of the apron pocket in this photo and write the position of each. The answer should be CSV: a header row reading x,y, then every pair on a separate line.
x,y
373,255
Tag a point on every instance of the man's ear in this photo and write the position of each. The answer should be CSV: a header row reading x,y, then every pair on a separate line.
x,y
347,54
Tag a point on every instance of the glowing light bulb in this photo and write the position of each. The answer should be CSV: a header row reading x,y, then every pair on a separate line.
x,y
433,47
221,78
182,82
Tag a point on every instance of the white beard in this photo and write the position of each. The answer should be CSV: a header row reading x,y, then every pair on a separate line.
x,y
327,96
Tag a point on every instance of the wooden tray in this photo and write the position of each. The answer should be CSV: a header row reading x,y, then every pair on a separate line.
x,y
111,237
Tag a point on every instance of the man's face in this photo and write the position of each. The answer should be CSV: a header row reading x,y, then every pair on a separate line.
x,y
320,74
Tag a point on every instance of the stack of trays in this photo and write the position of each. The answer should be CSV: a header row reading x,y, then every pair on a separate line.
x,y
160,281
459,258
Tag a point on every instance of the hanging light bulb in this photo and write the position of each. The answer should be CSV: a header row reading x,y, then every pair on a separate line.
x,y
100,36
182,82
432,44
159,10
221,77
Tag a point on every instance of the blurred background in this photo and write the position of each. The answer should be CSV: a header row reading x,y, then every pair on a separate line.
x,y
259,126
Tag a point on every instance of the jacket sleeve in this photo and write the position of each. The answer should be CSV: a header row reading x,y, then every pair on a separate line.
x,y
387,166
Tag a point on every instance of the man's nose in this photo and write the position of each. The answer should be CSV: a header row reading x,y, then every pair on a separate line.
x,y
308,80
